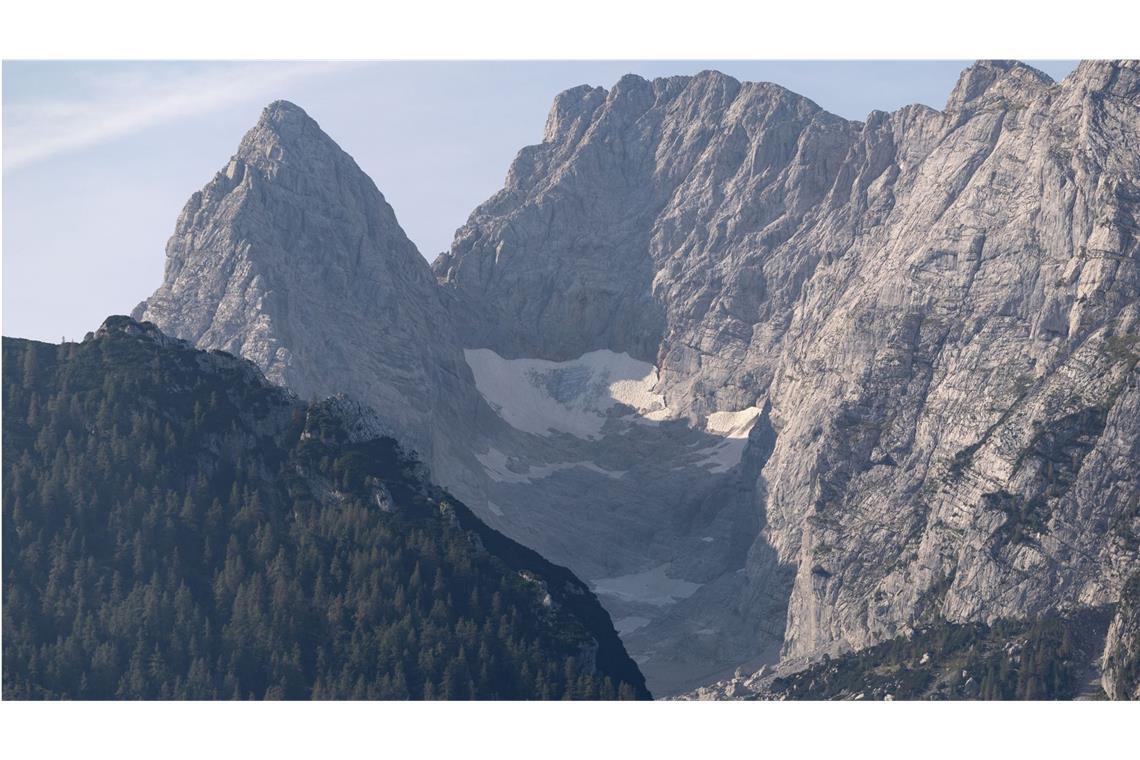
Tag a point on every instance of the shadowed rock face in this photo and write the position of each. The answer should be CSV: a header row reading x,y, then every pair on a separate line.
x,y
1120,666
925,324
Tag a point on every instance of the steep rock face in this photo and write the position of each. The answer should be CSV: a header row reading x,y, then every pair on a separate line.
x,y
940,309
291,257
954,405
1120,667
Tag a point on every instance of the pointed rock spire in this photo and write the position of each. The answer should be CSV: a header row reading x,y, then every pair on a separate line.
x,y
291,257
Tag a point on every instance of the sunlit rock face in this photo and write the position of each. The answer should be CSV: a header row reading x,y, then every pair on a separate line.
x,y
939,308
774,382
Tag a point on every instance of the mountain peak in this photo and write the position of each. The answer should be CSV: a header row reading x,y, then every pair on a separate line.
x,y
995,77
572,111
286,120
281,109
286,133
1121,78
715,75
284,115
286,254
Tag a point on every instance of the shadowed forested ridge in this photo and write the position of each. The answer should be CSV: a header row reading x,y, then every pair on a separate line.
x,y
177,528
1053,657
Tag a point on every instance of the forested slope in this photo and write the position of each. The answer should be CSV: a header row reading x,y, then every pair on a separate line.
x,y
177,528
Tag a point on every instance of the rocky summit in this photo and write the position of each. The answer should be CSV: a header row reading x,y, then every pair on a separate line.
x,y
292,258
777,384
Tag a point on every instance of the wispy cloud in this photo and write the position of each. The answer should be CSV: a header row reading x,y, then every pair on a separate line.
x,y
110,102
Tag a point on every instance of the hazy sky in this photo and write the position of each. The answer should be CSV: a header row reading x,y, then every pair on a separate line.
x,y
100,157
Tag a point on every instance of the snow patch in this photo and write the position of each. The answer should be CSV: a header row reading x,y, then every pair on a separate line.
x,y
543,397
577,397
649,587
732,424
495,508
734,427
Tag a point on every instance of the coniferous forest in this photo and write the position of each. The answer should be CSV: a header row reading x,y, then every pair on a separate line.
x,y
177,528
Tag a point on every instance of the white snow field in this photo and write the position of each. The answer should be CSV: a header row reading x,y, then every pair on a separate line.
x,y
576,397
735,427
543,397
732,424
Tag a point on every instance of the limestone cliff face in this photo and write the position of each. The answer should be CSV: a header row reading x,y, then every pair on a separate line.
x,y
939,307
291,257
776,383
956,391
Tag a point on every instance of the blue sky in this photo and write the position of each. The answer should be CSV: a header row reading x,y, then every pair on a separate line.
x,y
100,157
